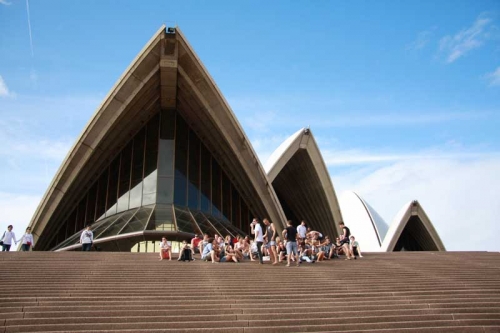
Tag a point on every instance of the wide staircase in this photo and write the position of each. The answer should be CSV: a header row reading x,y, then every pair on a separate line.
x,y
134,292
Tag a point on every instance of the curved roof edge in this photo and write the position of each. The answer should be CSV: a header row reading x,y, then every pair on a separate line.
x,y
304,139
145,65
412,208
364,222
240,143
124,90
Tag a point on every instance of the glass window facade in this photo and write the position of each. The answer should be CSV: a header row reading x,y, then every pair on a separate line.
x,y
164,179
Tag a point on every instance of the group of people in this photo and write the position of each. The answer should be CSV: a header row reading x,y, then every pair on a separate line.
x,y
9,237
296,244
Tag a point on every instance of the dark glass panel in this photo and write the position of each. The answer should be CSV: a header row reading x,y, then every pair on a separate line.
x,y
101,195
216,189
221,229
226,196
124,183
235,208
234,231
165,190
115,228
137,169
166,158
80,215
181,146
71,223
245,222
101,226
91,205
184,221
74,239
206,176
161,219
194,171
205,226
151,162
61,234
139,221
167,131
114,168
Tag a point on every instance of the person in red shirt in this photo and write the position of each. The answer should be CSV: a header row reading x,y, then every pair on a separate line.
x,y
195,242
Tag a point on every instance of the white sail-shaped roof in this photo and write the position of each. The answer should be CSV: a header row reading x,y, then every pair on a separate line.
x,y
302,182
365,223
411,229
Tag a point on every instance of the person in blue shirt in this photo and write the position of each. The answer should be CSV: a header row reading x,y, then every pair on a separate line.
x,y
209,252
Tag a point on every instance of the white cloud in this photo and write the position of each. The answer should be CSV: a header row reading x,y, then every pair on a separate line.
x,y
459,196
494,77
466,40
423,38
5,2
4,90
361,157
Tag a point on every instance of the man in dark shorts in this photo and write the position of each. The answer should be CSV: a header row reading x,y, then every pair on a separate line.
x,y
344,239
290,234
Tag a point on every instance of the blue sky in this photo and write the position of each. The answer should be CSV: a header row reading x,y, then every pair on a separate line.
x,y
402,96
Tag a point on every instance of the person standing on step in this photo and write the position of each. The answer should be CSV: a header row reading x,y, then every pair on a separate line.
x,y
271,241
290,234
302,230
87,239
259,237
27,241
7,238
344,239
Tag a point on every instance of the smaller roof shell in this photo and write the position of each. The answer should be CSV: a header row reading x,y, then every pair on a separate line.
x,y
365,223
412,208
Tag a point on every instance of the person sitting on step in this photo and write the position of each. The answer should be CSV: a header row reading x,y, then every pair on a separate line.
x,y
354,248
195,244
165,249
230,254
185,253
209,252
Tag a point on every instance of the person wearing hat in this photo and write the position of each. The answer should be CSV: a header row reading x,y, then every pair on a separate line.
x,y
7,238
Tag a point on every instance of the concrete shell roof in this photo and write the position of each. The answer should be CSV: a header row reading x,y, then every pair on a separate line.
x,y
113,120
365,223
412,208
303,140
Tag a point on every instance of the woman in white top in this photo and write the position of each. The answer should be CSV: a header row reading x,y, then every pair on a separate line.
x,y
165,248
27,240
7,238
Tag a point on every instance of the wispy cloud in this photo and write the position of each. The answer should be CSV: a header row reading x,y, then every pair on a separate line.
x,y
466,40
362,157
4,90
452,191
5,2
423,38
494,77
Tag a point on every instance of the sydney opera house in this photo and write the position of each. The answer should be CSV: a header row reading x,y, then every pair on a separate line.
x,y
164,155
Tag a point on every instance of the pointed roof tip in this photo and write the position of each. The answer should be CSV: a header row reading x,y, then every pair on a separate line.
x,y
401,219
277,154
